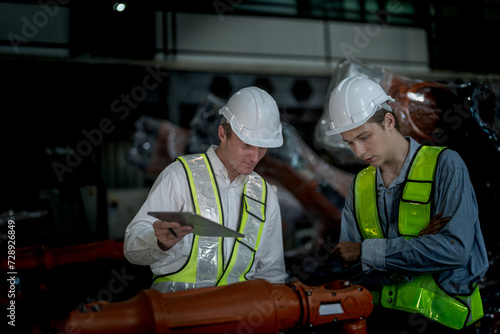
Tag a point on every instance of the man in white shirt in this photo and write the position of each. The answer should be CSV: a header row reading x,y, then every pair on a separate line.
x,y
221,186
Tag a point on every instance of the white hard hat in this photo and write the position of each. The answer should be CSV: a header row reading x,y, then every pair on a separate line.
x,y
353,102
254,117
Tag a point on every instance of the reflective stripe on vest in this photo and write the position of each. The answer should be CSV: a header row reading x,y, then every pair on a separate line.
x,y
365,203
205,266
252,223
422,294
415,203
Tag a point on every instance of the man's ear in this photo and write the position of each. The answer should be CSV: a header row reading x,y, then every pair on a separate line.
x,y
389,121
222,133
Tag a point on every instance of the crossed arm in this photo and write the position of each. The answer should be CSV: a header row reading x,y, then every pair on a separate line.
x,y
348,252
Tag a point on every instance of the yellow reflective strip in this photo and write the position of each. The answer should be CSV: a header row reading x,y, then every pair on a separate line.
x,y
357,204
241,278
247,269
223,280
476,306
188,273
417,191
263,207
243,223
214,186
365,203
425,169
424,296
414,217
235,250
191,184
263,199
220,259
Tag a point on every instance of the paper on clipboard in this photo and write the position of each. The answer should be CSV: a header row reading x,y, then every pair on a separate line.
x,y
201,225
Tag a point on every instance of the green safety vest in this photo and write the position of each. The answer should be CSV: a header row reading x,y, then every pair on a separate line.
x,y
422,295
205,265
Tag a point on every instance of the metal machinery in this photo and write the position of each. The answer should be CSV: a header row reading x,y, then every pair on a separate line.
x,y
255,306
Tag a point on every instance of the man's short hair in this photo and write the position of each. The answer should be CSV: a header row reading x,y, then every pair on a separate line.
x,y
227,127
379,117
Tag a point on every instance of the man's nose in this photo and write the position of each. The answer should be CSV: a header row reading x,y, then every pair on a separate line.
x,y
254,154
359,149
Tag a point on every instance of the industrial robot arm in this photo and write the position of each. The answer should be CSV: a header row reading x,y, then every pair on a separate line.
x,y
255,306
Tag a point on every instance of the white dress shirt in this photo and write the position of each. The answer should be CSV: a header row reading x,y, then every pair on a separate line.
x,y
171,192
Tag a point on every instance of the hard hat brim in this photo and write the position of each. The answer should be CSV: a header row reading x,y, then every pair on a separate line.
x,y
260,142
344,128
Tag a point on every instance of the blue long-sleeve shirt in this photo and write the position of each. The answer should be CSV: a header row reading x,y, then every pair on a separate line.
x,y
457,254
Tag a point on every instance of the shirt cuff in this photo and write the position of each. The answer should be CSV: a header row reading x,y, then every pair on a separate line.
x,y
373,254
154,249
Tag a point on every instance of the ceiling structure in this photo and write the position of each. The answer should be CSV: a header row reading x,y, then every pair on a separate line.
x,y
459,34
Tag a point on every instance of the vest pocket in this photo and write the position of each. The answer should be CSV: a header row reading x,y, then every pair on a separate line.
x,y
417,192
423,295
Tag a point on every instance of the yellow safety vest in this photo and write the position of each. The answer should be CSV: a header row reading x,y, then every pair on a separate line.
x,y
422,295
205,265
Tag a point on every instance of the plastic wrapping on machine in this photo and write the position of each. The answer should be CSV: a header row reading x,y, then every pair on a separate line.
x,y
156,143
478,104
319,187
204,124
296,153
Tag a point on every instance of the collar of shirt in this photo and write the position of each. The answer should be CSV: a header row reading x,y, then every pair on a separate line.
x,y
219,168
402,174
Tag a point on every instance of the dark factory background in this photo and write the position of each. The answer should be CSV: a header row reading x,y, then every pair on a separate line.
x,y
89,87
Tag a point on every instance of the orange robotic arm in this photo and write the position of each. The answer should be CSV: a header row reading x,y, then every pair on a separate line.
x,y
255,306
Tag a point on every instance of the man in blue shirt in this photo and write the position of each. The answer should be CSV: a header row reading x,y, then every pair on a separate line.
x,y
422,271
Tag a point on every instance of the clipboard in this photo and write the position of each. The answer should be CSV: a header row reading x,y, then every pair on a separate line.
x,y
201,225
